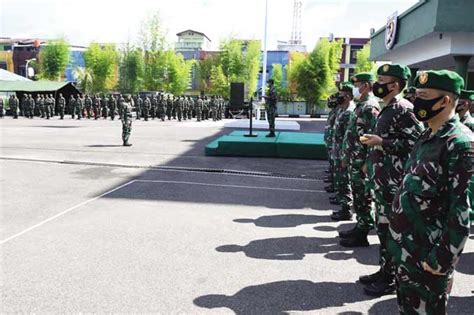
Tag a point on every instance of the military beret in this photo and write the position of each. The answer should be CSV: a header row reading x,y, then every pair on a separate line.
x,y
444,80
363,77
467,95
346,86
395,70
411,90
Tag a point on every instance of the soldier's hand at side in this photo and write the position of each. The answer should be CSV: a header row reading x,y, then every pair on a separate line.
x,y
364,169
371,140
427,268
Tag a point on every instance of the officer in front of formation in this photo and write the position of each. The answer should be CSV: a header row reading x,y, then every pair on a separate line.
x,y
429,221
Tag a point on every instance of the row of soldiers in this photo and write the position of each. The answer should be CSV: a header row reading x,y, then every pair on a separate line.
x,y
179,107
43,105
403,164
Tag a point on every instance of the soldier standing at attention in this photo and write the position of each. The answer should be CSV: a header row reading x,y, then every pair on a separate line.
x,y
396,133
138,106
61,105
72,106
464,104
2,109
429,223
354,157
271,102
146,108
328,135
104,107
53,105
126,120
13,103
341,176
88,106
78,105
112,106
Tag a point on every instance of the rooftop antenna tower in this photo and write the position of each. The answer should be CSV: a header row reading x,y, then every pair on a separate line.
x,y
296,27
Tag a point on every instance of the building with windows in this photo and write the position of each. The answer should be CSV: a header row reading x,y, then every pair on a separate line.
x,y
190,40
432,34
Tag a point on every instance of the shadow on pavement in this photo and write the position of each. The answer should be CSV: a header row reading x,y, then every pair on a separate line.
x,y
284,220
285,296
284,248
363,255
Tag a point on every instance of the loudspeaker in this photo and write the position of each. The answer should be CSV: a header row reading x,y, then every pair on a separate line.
x,y
237,93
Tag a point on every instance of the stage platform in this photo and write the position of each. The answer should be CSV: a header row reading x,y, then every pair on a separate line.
x,y
294,145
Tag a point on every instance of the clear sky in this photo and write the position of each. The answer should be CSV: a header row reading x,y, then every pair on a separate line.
x,y
83,21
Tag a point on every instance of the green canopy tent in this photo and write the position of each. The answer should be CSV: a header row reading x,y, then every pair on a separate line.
x,y
39,87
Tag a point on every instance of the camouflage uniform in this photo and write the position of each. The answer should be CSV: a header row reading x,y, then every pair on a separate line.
x,y
72,106
13,103
169,107
179,108
354,154
88,106
61,106
139,106
468,120
112,103
328,136
429,221
271,101
400,130
199,106
341,177
146,108
126,120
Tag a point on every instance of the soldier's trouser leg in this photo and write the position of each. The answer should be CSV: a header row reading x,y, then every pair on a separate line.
x,y
363,207
126,130
344,188
420,292
383,205
271,119
61,113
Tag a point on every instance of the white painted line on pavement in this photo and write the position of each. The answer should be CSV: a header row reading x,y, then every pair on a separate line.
x,y
230,186
64,212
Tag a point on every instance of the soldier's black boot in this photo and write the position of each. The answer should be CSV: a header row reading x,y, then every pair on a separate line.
x,y
343,215
270,135
329,189
357,239
383,286
348,233
369,279
126,144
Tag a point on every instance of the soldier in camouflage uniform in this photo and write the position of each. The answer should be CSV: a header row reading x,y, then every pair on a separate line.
x,y
341,176
79,106
53,105
354,157
112,103
410,94
191,102
328,136
61,106
429,223
24,105
396,133
169,107
139,106
205,108
154,105
179,108
72,106
30,107
47,106
271,103
88,106
146,108
126,120
464,104
2,109
96,107
162,107
13,104
199,106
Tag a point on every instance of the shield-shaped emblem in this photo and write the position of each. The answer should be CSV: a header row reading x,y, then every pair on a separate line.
x,y
391,30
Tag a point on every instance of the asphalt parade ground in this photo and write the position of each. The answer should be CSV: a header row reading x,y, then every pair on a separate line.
x,y
89,226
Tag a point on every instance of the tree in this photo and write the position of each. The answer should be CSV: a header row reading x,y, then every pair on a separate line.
x,y
252,66
101,62
277,77
334,61
178,72
131,70
204,68
363,63
232,60
297,59
53,59
219,82
153,40
314,75
84,79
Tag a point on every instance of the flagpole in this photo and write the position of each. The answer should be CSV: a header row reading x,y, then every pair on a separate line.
x,y
264,68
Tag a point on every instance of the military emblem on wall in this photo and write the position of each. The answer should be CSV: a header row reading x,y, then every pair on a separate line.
x,y
391,31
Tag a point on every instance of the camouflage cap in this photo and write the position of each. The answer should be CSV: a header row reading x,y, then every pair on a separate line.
x,y
395,70
363,77
444,80
467,95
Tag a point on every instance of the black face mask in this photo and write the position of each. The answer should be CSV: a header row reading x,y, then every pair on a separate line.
x,y
340,100
423,108
381,90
